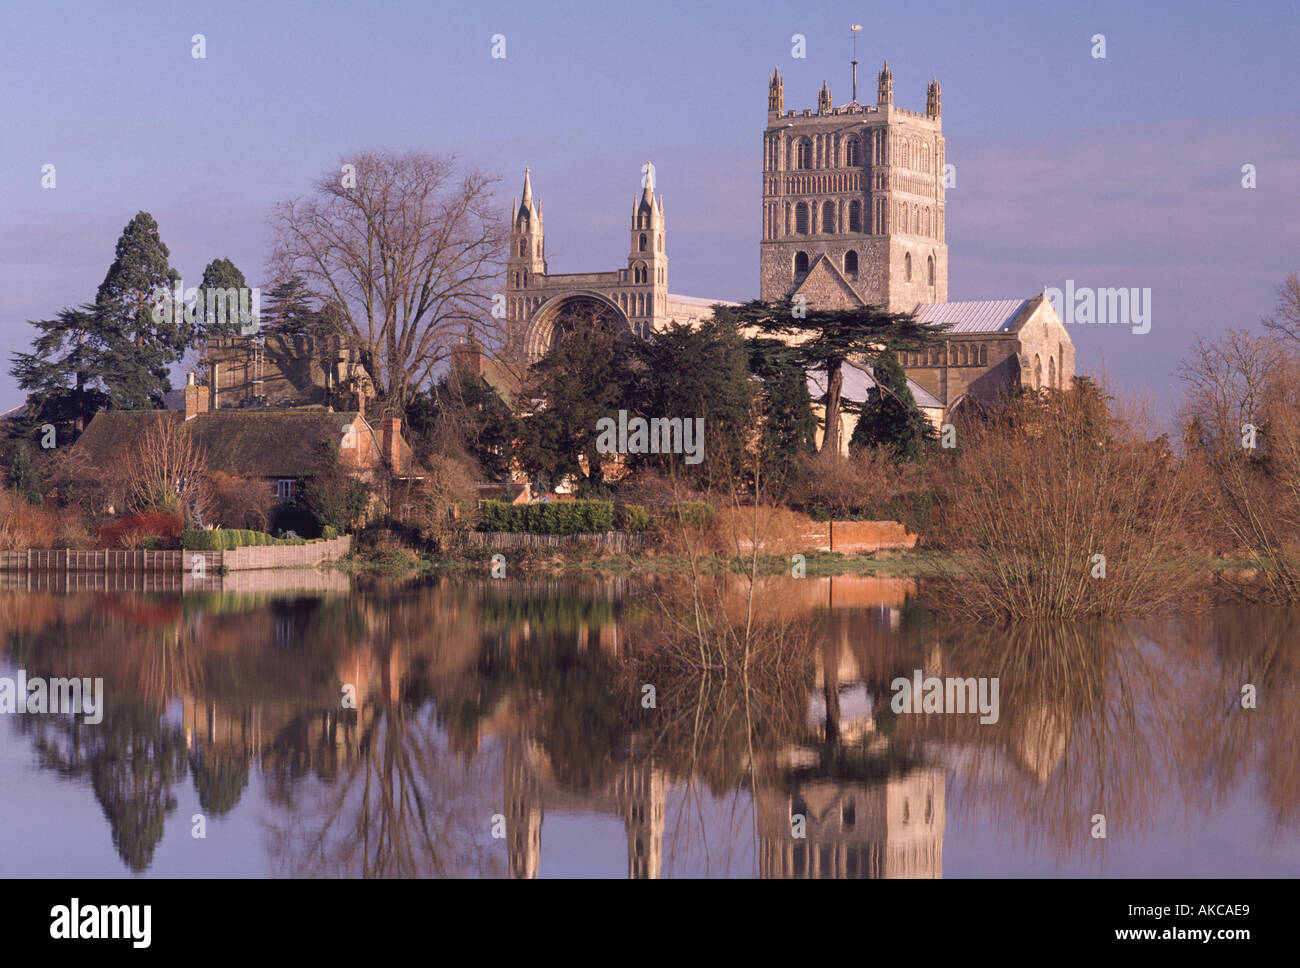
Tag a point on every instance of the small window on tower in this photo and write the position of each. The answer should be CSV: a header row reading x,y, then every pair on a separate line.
x,y
851,264
523,248
801,218
930,270
907,266
643,241
800,263
854,158
828,218
855,216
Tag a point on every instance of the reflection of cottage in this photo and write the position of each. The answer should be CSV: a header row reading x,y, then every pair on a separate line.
x,y
275,446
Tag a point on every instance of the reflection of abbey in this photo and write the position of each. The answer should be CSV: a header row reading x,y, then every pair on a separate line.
x,y
853,213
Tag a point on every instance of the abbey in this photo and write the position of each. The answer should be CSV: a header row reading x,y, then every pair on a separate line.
x,y
854,210
853,214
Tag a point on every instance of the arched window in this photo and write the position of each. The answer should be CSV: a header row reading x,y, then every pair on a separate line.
x,y
804,150
661,243
1038,372
1060,355
642,246
925,157
523,248
855,216
853,158
801,218
851,264
984,354
828,218
907,266
525,277
800,263
925,222
929,269
1051,372
640,304
962,354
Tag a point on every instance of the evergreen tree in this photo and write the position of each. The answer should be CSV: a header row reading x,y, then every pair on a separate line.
x,y
822,339
220,274
582,379
22,474
289,310
698,372
61,375
890,417
137,342
789,424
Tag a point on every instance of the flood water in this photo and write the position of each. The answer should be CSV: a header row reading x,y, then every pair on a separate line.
x,y
613,729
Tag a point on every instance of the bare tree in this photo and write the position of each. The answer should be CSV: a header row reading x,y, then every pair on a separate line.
x,y
1286,314
167,470
406,253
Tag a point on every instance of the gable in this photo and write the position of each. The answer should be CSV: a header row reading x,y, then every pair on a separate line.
x,y
825,288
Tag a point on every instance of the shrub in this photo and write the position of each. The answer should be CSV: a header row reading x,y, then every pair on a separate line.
x,y
239,501
632,518
23,525
130,532
551,517
329,533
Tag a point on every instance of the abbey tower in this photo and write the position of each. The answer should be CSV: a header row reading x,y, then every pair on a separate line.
x,y
860,189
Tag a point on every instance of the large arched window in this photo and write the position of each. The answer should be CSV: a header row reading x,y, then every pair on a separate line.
x,y
801,218
1051,372
1038,372
851,264
800,263
855,216
907,266
929,270
828,218
641,248
803,153
853,153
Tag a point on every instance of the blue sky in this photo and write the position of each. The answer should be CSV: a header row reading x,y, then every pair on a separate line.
x,y
1117,172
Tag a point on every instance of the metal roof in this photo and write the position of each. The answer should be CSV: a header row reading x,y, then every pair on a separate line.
x,y
697,301
858,380
978,316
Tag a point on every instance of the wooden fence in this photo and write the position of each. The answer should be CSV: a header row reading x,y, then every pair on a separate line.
x,y
196,563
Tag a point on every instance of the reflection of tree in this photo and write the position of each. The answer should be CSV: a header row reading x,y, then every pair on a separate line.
x,y
133,762
1220,743
1085,713
220,780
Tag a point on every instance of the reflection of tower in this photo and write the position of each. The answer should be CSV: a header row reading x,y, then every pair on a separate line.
x,y
523,810
855,828
639,793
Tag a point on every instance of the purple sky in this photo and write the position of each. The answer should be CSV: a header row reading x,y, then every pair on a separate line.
x,y
1117,172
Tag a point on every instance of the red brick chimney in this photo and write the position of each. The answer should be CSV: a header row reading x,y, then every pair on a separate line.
x,y
393,443
196,399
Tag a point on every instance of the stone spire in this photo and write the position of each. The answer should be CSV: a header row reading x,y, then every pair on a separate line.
x,y
885,88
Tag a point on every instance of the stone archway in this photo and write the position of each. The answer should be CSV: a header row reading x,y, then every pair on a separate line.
x,y
558,311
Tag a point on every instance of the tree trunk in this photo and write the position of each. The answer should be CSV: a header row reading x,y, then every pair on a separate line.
x,y
831,436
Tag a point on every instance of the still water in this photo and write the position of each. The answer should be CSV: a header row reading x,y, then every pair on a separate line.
x,y
646,729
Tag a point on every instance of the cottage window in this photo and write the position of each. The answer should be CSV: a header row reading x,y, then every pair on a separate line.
x,y
284,490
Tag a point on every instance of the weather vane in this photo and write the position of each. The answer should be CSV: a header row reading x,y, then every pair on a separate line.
x,y
854,29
